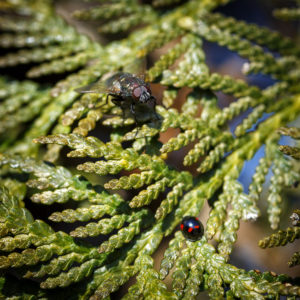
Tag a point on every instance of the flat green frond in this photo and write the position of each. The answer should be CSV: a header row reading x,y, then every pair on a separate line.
x,y
293,152
287,13
213,157
281,238
172,198
283,176
261,35
125,23
293,132
217,216
262,169
168,59
242,207
105,226
10,121
180,273
159,3
148,285
294,260
111,280
289,289
134,181
12,87
106,11
58,176
126,234
250,120
75,274
151,193
36,239
20,98
215,82
171,254
86,213
84,146
42,54
56,265
64,64
169,97
119,16
35,39
195,278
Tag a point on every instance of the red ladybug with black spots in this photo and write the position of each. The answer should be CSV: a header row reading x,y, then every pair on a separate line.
x,y
191,228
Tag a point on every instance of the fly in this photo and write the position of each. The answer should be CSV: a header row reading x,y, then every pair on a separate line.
x,y
127,91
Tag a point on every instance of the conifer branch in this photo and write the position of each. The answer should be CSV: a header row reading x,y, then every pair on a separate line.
x,y
134,196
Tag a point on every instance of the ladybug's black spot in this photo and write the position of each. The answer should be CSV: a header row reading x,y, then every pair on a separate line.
x,y
191,228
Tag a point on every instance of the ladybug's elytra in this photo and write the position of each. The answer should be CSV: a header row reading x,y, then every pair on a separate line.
x,y
191,228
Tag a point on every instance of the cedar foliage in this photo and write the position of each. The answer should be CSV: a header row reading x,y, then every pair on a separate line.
x,y
114,235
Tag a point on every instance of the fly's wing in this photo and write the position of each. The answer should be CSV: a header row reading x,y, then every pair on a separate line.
x,y
142,76
99,87
137,67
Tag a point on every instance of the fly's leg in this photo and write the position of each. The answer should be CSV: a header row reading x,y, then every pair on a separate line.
x,y
153,100
116,100
156,114
106,101
123,116
132,110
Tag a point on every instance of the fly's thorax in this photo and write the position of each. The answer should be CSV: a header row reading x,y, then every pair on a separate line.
x,y
117,86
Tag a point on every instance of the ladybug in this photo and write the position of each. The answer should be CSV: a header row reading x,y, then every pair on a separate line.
x,y
191,228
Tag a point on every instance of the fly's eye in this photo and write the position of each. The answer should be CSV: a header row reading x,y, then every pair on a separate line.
x,y
137,92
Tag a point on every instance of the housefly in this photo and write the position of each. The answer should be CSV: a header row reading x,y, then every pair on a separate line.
x,y
128,91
